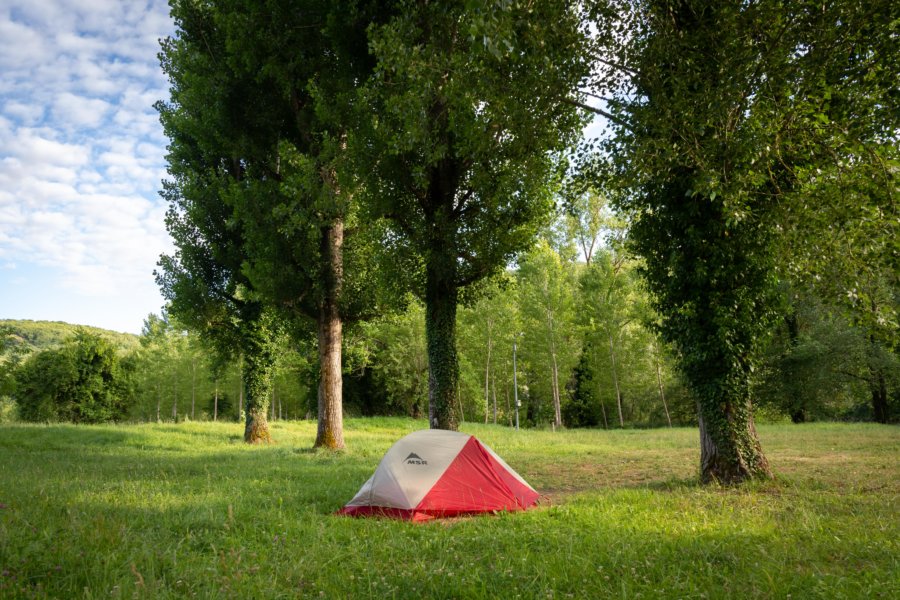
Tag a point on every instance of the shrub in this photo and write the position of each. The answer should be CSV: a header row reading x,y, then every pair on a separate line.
x,y
82,381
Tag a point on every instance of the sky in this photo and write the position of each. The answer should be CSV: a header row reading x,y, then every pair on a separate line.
x,y
81,160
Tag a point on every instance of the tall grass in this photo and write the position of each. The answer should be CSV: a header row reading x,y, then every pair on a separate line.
x,y
188,510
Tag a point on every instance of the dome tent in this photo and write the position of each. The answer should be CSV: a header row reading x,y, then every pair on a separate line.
x,y
439,473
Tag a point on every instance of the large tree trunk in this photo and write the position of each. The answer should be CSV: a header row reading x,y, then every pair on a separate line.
x,y
330,433
730,451
441,297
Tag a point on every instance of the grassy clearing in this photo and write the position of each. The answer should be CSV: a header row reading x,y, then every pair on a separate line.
x,y
165,511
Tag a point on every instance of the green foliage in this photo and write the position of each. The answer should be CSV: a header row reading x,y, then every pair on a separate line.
x,y
743,122
818,365
399,360
9,410
583,409
83,381
176,375
486,331
550,345
173,511
516,308
221,407
264,192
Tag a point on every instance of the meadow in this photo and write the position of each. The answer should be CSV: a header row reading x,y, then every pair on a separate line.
x,y
187,510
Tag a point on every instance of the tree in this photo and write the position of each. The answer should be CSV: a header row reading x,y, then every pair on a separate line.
x,y
818,365
268,90
844,151
729,110
204,280
584,408
470,105
11,355
605,311
708,262
399,359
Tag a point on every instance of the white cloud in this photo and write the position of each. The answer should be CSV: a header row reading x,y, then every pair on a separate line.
x,y
21,46
27,114
81,148
78,112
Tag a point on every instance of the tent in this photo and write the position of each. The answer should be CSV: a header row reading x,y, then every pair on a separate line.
x,y
438,473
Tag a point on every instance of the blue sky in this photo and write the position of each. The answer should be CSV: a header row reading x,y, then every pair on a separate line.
x,y
81,160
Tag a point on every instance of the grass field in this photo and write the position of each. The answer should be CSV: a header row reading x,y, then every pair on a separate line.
x,y
187,510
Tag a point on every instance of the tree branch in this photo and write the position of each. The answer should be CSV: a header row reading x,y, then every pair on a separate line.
x,y
599,111
617,66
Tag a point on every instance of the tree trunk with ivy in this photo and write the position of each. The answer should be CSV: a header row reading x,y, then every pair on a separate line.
x,y
258,368
256,425
730,451
712,285
441,297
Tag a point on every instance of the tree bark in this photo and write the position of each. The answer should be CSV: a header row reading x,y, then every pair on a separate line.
x,y
554,381
330,432
494,393
441,297
730,451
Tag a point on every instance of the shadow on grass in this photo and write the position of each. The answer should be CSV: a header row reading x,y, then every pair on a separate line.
x,y
85,469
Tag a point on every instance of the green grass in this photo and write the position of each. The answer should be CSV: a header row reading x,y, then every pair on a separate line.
x,y
172,511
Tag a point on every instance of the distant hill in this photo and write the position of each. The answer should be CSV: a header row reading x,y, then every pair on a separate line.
x,y
39,335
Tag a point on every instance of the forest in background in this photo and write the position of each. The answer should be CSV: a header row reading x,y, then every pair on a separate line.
x,y
574,306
